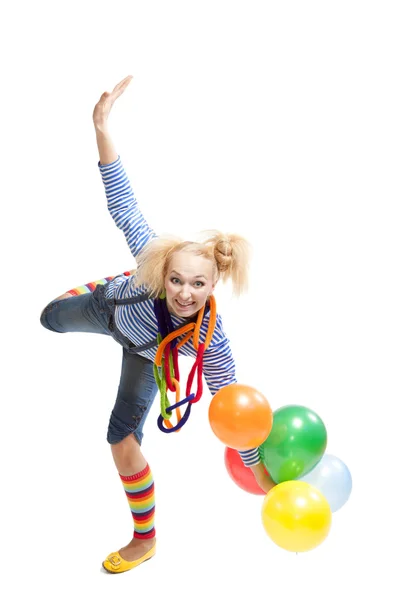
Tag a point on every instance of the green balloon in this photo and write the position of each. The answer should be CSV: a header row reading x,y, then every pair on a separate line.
x,y
297,442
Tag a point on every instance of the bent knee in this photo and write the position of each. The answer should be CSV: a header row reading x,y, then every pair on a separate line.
x,y
44,317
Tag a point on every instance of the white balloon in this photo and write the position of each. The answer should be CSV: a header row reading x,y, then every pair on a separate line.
x,y
333,479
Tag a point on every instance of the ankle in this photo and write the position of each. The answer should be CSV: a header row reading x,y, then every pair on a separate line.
x,y
139,540
145,543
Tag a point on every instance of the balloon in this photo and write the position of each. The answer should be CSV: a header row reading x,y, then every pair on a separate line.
x,y
240,416
243,476
296,516
295,445
333,479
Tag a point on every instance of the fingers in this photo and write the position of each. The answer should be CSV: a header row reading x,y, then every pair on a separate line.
x,y
125,82
117,91
121,86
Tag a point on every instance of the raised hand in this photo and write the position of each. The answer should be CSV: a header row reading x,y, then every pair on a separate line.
x,y
105,104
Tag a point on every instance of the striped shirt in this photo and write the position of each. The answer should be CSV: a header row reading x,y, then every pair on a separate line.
x,y
138,321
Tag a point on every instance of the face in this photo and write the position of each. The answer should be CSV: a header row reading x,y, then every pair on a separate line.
x,y
188,282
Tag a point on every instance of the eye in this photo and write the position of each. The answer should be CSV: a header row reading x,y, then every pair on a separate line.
x,y
174,280
199,284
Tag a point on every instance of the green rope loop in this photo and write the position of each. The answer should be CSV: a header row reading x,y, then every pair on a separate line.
x,y
161,380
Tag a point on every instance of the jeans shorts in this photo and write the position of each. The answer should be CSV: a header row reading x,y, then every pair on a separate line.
x,y
137,389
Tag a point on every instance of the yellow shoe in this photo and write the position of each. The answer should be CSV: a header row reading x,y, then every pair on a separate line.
x,y
114,562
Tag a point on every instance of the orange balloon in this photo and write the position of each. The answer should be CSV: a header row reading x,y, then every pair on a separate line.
x,y
240,416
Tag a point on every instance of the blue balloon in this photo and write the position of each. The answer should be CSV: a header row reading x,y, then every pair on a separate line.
x,y
333,479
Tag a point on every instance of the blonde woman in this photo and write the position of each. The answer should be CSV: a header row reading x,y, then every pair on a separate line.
x,y
177,276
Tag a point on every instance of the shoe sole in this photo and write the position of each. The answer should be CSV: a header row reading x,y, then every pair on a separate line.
x,y
127,570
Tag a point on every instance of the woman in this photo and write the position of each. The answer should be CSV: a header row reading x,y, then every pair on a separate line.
x,y
171,289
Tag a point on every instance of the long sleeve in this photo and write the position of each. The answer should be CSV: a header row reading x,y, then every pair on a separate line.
x,y
219,366
219,371
250,457
123,206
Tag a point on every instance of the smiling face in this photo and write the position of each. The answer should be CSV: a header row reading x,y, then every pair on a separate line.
x,y
189,281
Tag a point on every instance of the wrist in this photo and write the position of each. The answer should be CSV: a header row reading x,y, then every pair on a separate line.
x,y
258,469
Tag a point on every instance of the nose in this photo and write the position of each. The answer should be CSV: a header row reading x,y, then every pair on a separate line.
x,y
185,293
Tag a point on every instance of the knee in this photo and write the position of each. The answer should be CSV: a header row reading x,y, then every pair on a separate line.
x,y
47,315
125,424
127,454
127,444
121,438
44,318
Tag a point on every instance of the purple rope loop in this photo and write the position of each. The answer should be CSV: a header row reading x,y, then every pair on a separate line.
x,y
160,420
164,320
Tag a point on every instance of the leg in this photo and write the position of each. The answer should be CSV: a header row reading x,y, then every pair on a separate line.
x,y
136,393
75,313
84,315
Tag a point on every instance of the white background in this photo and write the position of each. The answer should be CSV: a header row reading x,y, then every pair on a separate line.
x,y
277,120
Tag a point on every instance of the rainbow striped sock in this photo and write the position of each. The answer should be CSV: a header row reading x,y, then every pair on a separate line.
x,y
139,489
91,286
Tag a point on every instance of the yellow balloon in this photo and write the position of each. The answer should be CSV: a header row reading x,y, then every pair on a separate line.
x,y
296,516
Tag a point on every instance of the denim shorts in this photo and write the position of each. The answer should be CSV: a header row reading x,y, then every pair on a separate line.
x,y
92,313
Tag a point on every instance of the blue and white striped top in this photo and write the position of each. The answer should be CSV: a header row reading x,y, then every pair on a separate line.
x,y
138,321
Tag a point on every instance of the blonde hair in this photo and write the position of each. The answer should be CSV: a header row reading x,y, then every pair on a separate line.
x,y
229,253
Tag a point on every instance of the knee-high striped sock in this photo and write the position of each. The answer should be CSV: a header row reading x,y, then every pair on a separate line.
x,y
91,286
139,489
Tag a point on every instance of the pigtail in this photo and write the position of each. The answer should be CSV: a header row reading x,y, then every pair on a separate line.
x,y
231,253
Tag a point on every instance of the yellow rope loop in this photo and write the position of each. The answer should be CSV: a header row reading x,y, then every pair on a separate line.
x,y
177,399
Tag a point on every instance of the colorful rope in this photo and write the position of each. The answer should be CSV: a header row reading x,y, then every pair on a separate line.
x,y
166,369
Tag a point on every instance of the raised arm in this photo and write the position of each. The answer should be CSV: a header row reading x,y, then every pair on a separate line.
x,y
101,112
121,201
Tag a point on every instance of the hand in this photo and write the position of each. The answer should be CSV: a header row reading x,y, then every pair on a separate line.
x,y
104,105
